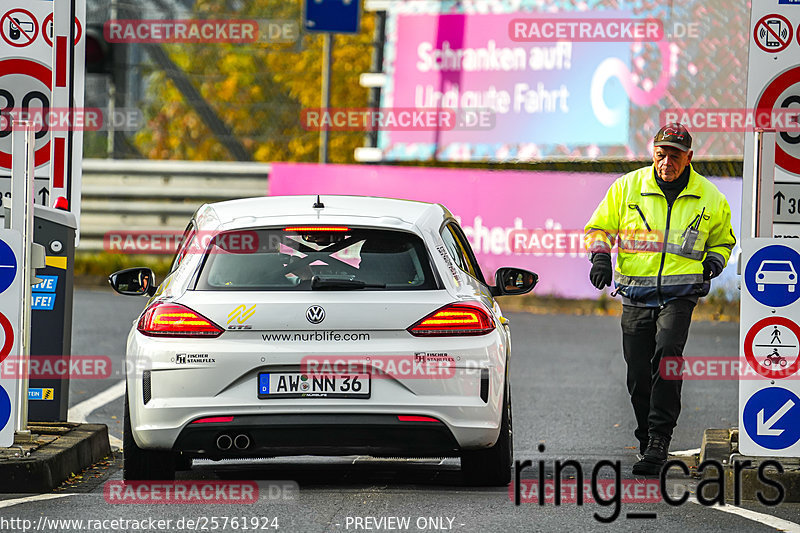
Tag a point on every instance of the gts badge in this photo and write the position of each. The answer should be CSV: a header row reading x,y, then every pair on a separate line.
x,y
238,316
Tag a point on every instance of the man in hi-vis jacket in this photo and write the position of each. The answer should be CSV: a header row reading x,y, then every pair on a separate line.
x,y
672,228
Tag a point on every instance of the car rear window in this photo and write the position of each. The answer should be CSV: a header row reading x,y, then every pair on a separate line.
x,y
304,258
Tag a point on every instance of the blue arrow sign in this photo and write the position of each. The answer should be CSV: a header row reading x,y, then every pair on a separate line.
x,y
772,418
335,16
5,408
771,275
8,266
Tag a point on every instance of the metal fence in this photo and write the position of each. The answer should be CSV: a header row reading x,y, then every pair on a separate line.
x,y
143,195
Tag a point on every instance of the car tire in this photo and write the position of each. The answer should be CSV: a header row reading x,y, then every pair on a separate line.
x,y
492,467
139,464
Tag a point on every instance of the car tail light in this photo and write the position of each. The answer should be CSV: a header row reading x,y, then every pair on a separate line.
x,y
305,229
454,319
174,320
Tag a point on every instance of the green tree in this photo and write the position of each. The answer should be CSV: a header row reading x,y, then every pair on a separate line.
x,y
258,90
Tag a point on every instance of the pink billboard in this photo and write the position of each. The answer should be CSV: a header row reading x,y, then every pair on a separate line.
x,y
531,220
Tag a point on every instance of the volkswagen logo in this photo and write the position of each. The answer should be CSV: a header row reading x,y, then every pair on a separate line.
x,y
315,314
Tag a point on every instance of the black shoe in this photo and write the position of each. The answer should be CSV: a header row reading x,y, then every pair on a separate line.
x,y
654,456
642,448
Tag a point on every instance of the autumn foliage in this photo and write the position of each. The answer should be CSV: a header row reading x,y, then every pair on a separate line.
x,y
258,90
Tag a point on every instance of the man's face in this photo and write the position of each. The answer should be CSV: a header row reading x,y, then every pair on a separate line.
x,y
670,162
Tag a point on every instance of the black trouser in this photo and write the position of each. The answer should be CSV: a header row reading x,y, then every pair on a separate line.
x,y
648,335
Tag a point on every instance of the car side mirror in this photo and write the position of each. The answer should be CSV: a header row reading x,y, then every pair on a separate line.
x,y
513,281
138,281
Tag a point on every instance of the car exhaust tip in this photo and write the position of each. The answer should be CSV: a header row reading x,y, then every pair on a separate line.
x,y
224,442
242,442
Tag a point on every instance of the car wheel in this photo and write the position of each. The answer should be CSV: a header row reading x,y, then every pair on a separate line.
x,y
760,288
142,464
492,466
791,288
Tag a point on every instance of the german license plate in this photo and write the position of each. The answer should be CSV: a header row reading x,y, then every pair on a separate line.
x,y
300,385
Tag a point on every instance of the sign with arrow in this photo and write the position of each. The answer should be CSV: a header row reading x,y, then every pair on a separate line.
x,y
771,418
786,205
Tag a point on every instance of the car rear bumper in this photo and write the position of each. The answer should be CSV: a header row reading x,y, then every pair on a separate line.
x,y
166,397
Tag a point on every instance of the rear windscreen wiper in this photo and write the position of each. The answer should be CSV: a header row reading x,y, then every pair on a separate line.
x,y
320,283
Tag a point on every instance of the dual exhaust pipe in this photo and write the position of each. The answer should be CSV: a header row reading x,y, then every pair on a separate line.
x,y
226,442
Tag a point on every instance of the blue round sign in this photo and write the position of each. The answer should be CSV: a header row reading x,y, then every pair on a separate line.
x,y
5,408
772,418
8,266
771,275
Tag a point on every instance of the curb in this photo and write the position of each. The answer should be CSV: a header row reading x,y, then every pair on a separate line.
x,y
722,446
45,467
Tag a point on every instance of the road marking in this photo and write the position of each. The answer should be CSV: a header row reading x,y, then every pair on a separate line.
x,y
766,519
686,453
26,499
78,413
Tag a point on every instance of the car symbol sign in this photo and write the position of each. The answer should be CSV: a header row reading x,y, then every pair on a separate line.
x,y
315,314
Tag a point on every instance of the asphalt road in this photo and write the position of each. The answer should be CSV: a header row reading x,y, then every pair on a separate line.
x,y
568,395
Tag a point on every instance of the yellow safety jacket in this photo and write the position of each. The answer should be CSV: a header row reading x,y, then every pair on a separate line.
x,y
656,262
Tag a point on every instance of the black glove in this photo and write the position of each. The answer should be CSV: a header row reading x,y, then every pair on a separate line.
x,y
711,268
600,275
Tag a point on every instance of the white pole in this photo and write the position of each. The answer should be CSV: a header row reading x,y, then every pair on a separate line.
x,y
22,190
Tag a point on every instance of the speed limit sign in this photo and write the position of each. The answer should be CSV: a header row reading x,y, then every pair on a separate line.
x,y
783,92
24,87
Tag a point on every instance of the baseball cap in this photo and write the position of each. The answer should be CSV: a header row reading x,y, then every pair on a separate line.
x,y
675,135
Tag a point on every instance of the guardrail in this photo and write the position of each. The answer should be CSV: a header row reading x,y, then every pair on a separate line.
x,y
145,195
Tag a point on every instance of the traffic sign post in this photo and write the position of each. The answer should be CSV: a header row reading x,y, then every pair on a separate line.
x,y
769,390
22,164
329,17
769,418
333,16
10,296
